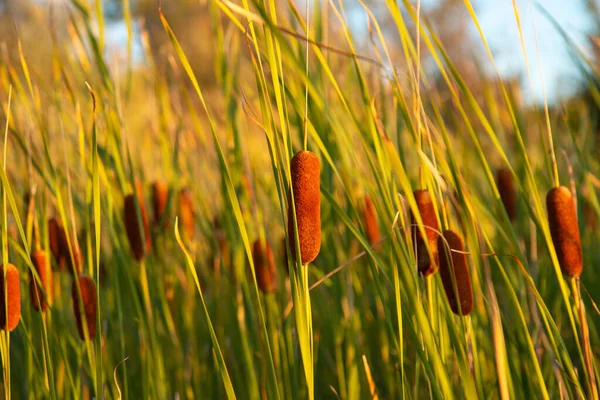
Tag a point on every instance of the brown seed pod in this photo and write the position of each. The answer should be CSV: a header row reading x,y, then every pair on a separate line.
x,y
564,230
453,268
134,234
264,266
160,195
87,287
508,194
369,217
41,300
306,186
10,310
186,212
58,242
426,264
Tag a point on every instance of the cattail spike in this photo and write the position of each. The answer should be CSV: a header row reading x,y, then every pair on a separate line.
x,y
508,194
87,287
41,297
58,242
369,217
454,271
160,195
134,234
186,212
10,310
427,263
264,266
564,229
306,186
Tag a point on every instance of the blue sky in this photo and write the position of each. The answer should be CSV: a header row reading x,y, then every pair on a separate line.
x,y
559,72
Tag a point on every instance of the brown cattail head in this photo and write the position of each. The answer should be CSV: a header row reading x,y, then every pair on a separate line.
x,y
264,266
186,212
454,271
160,195
10,301
564,229
41,300
369,217
58,241
427,263
134,233
306,186
87,287
508,194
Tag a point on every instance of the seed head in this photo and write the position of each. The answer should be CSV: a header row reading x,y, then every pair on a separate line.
x,y
306,186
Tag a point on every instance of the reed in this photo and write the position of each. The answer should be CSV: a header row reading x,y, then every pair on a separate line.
x,y
87,302
369,219
306,187
454,272
427,260
564,229
58,242
41,295
10,297
264,266
187,214
160,196
139,242
508,193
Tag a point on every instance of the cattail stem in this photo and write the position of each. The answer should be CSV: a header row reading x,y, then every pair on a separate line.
x,y
585,339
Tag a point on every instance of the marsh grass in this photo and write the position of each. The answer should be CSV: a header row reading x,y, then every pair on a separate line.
x,y
188,320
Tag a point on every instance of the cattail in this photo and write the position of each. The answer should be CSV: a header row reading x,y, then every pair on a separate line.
x,y
427,263
160,195
87,287
58,241
508,194
134,234
41,300
305,170
564,229
186,212
369,217
454,271
264,266
10,301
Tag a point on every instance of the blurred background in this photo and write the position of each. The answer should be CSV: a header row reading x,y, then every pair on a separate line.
x,y
29,20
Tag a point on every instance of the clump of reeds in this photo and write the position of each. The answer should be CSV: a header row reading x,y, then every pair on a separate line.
x,y
454,272
306,187
508,193
369,218
264,266
41,297
564,229
187,214
427,261
10,300
88,300
160,195
140,244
